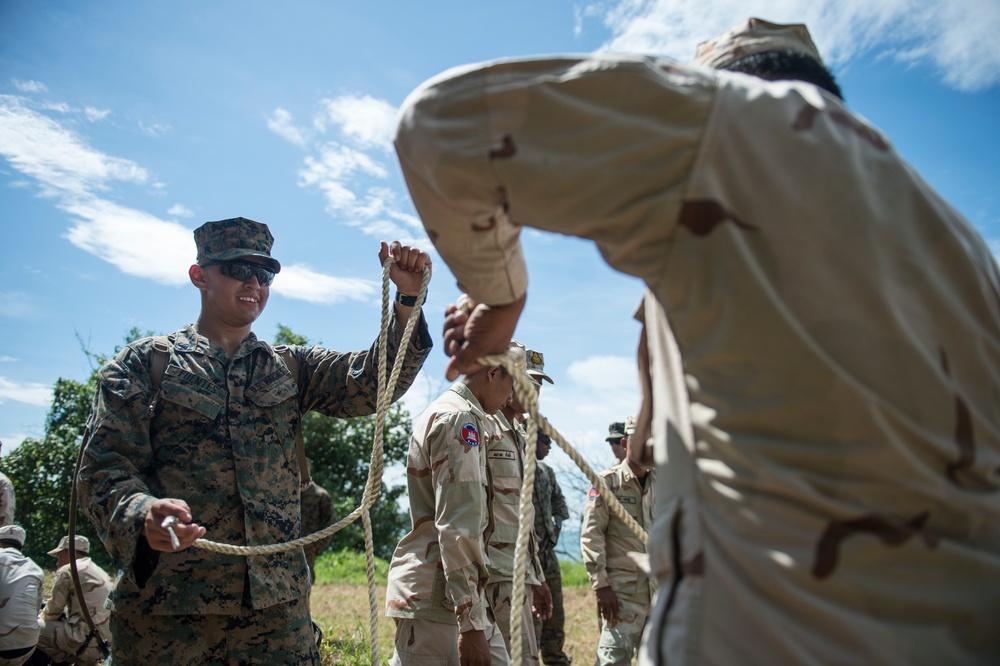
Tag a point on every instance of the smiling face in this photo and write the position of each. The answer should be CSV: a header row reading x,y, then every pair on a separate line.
x,y
226,300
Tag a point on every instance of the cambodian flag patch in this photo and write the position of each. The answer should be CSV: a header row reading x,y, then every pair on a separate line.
x,y
470,434
593,494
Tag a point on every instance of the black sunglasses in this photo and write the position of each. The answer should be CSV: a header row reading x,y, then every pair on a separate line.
x,y
241,270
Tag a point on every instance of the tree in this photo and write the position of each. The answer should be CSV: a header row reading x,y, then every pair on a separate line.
x,y
339,451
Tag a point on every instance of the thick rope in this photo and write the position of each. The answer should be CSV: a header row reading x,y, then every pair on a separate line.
x,y
373,485
528,397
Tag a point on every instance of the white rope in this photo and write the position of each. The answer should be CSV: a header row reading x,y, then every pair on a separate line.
x,y
376,464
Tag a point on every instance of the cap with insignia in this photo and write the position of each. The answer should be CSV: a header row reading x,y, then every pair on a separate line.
x,y
630,425
536,366
235,238
752,36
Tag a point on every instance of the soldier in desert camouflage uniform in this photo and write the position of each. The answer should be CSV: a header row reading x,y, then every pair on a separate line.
x,y
623,590
505,461
215,447
550,512
438,573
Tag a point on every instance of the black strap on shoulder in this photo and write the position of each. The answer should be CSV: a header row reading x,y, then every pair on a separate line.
x,y
292,363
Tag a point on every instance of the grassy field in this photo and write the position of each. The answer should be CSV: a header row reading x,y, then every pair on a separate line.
x,y
340,607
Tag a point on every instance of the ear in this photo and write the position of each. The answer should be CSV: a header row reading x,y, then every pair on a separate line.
x,y
197,275
492,372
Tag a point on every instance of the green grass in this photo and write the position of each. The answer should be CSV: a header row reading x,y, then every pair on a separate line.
x,y
574,574
348,567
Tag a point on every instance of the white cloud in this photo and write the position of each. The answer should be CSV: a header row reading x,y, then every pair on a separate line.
x,y
7,359
281,123
155,130
56,157
610,373
367,121
955,38
29,86
180,210
302,283
136,242
30,394
96,115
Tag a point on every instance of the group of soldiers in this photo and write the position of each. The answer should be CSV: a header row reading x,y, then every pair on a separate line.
x,y
34,631
824,437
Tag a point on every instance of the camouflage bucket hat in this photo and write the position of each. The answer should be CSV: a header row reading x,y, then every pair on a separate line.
x,y
615,432
752,36
235,238
82,544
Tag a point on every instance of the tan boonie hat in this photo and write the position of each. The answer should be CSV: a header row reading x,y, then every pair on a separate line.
x,y
12,533
615,432
235,238
536,366
82,545
755,35
630,425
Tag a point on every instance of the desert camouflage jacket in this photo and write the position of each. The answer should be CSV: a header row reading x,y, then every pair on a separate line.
x,y
438,571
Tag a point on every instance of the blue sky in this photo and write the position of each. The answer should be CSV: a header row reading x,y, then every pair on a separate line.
x,y
125,125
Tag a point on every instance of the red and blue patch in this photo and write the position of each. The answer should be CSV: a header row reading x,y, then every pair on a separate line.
x,y
470,434
593,494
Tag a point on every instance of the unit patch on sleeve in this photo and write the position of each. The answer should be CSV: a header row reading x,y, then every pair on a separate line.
x,y
470,434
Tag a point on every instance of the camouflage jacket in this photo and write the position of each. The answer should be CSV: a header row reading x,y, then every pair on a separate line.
x,y
505,461
438,570
605,540
550,506
219,435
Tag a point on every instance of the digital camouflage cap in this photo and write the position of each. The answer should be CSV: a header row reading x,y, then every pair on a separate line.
x,y
752,36
616,431
235,238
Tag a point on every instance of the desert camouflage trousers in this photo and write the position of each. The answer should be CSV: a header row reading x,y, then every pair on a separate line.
x,y
618,644
60,640
279,634
428,643
500,596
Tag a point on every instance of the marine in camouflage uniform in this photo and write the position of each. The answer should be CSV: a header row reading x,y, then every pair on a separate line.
x,y
438,573
550,512
317,513
215,447
624,591
62,627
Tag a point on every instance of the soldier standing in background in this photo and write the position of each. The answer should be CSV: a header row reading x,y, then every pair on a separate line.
x,y
215,447
505,462
438,573
618,439
550,512
624,591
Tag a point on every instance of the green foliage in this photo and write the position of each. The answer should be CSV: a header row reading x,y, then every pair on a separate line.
x,y
42,472
348,567
339,451
574,574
